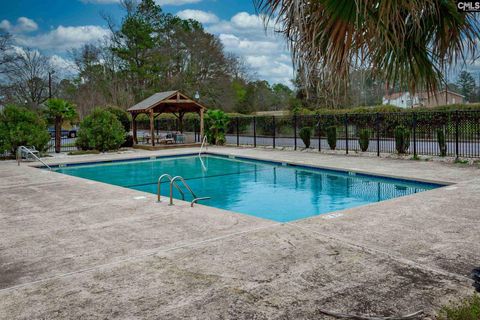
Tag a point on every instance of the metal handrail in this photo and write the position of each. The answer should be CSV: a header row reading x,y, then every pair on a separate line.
x,y
198,199
195,198
204,142
19,156
200,153
169,177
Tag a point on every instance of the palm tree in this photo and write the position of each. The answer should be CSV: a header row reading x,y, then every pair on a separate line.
x,y
405,43
59,110
216,123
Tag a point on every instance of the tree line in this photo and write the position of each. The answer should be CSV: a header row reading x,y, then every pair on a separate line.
x,y
148,51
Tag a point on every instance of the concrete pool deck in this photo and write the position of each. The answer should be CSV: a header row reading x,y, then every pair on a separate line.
x,y
75,248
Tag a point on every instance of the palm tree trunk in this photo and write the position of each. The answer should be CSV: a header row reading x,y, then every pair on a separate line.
x,y
58,134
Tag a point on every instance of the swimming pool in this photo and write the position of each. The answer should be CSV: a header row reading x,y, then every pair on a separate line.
x,y
269,190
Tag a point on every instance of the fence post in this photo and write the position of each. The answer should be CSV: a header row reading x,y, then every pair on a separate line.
x,y
274,131
295,131
346,133
319,133
456,134
414,134
378,134
195,131
238,136
254,132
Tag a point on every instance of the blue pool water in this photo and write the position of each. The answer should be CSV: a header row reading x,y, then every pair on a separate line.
x,y
267,190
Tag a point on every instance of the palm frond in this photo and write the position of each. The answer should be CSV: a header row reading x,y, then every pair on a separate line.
x,y
403,42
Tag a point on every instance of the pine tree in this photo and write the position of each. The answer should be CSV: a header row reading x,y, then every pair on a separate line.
x,y
466,83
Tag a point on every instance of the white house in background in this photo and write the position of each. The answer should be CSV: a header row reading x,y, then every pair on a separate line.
x,y
422,99
401,99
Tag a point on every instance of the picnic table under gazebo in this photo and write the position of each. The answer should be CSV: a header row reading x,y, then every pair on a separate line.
x,y
169,102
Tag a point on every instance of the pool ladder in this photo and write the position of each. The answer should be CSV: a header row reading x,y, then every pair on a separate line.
x,y
173,183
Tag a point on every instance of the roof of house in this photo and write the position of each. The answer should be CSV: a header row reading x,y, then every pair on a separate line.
x,y
394,96
449,92
167,102
272,113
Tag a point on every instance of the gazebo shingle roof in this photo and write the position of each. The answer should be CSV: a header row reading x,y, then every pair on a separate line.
x,y
167,102
152,100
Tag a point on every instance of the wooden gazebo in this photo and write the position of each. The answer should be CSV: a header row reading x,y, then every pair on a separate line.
x,y
173,102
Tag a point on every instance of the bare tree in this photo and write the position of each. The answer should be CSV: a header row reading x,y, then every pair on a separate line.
x,y
6,52
27,78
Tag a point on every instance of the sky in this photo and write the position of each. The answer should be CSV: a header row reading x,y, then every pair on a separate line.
x,y
55,26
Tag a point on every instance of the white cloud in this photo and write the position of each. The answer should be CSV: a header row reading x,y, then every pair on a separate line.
x,y
176,2
245,20
16,50
5,25
199,15
64,38
64,67
245,24
23,25
264,51
101,1
160,2
244,46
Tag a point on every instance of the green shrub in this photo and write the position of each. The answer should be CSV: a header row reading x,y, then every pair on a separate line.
x,y
390,108
216,122
364,139
332,137
402,139
101,130
441,142
468,309
128,143
122,116
22,127
306,134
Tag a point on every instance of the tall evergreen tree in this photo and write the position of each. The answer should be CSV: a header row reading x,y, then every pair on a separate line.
x,y
466,84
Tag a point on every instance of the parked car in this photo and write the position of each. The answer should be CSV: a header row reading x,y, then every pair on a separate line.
x,y
72,133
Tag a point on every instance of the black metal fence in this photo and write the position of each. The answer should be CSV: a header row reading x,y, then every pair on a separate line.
x,y
461,130
66,145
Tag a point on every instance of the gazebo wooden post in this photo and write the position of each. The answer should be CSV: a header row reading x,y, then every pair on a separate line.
x,y
201,125
134,128
180,121
152,128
